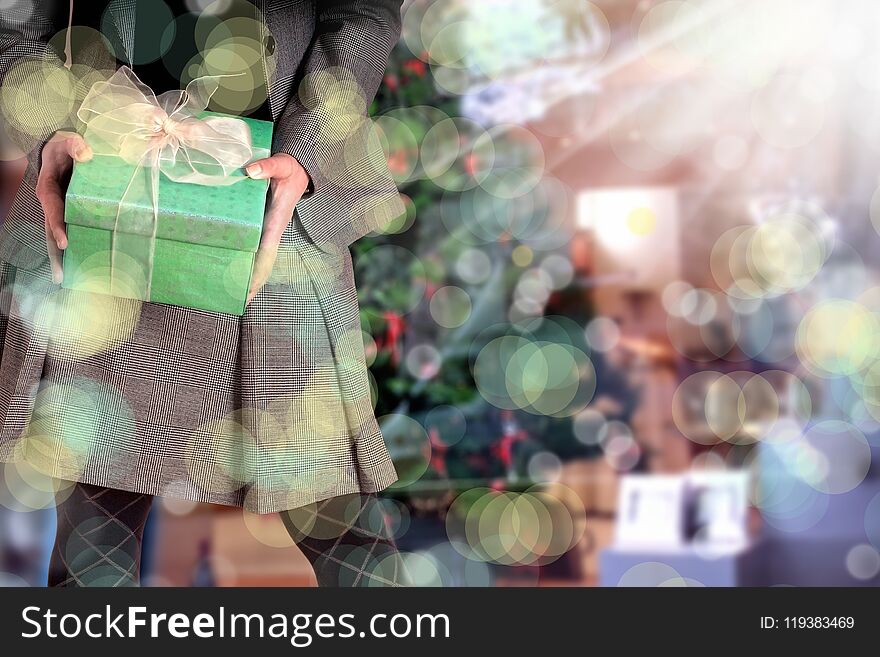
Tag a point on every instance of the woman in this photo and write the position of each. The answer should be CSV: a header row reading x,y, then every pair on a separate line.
x,y
270,411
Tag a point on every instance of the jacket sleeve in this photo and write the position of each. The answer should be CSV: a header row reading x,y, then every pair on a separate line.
x,y
325,125
25,30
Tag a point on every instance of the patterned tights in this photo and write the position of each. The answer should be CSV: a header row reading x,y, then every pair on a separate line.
x,y
100,532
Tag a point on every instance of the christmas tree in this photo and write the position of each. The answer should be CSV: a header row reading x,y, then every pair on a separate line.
x,y
452,277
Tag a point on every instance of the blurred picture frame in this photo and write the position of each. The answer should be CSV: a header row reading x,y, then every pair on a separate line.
x,y
718,506
651,511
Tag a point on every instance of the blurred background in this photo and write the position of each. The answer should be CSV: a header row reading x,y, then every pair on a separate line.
x,y
628,331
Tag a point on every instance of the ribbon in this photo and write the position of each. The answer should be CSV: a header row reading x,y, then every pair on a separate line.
x,y
158,135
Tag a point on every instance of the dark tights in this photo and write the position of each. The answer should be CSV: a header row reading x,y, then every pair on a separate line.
x,y
100,533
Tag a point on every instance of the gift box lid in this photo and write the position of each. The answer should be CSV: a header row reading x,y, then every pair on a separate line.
x,y
225,216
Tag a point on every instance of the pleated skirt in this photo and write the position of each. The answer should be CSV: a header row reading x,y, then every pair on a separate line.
x,y
269,411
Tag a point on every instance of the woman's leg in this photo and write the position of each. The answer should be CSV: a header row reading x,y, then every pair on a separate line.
x,y
98,541
347,541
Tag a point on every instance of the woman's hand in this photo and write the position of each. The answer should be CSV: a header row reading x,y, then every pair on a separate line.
x,y
58,156
288,181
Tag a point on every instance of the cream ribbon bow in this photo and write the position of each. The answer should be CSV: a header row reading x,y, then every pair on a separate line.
x,y
160,134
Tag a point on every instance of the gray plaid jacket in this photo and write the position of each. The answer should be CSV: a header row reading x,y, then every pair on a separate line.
x,y
307,36
272,410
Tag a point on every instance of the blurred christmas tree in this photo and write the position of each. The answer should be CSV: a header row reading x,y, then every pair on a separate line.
x,y
422,313
401,272
434,292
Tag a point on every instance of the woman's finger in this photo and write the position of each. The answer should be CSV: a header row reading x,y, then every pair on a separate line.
x,y
278,215
51,198
277,166
263,264
54,256
286,192
78,149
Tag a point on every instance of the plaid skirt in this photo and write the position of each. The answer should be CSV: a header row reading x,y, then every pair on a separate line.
x,y
269,411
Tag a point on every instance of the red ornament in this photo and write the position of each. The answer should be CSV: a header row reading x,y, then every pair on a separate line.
x,y
416,67
394,328
397,163
503,449
471,161
438,453
392,82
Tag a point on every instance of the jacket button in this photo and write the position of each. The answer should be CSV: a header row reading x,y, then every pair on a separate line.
x,y
270,44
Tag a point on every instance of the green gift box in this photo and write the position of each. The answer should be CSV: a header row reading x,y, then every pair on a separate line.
x,y
205,242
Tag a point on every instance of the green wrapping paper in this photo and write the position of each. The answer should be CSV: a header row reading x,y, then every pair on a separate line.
x,y
206,237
